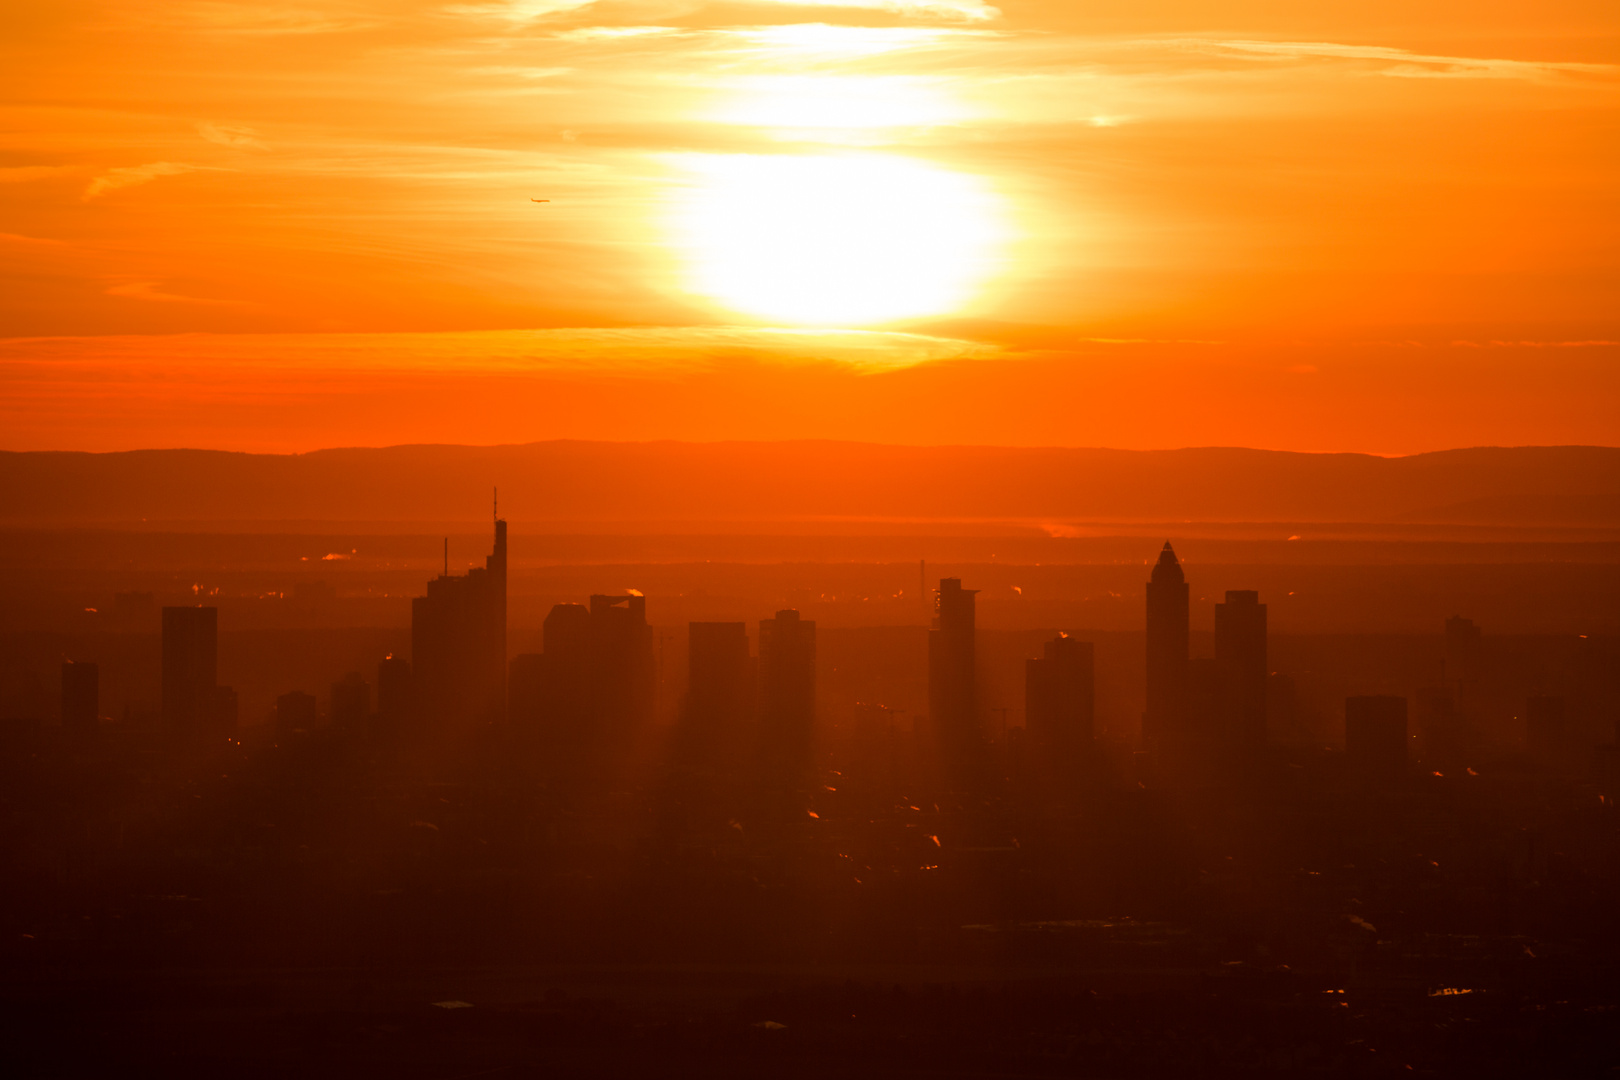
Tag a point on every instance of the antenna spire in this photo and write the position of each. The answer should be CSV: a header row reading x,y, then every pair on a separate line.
x,y
497,503
447,556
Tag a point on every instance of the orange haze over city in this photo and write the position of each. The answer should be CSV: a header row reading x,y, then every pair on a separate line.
x,y
1374,226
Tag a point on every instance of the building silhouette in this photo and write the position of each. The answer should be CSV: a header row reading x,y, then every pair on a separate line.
x,y
458,644
953,686
1240,649
1375,740
394,692
568,673
1167,644
787,696
81,697
351,702
581,701
1059,706
190,690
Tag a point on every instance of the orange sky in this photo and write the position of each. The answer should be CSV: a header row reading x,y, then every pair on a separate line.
x,y
1365,226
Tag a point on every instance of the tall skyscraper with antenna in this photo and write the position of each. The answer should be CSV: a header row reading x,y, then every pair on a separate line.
x,y
458,643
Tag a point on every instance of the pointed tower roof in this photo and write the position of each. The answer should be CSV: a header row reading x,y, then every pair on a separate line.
x,y
1168,567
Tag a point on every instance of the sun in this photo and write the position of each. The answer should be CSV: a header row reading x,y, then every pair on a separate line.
x,y
835,239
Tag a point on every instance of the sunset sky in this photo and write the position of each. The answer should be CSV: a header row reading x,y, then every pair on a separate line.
x,y
1379,226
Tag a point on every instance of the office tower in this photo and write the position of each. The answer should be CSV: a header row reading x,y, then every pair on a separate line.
x,y
1240,648
295,713
1375,739
190,659
719,708
351,702
81,697
952,686
568,670
394,693
1167,640
458,644
622,667
787,695
1058,708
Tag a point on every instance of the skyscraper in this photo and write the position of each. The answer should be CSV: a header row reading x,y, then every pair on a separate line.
x,y
190,665
351,702
1059,707
623,670
1240,648
952,685
458,644
1167,643
394,696
787,695
81,697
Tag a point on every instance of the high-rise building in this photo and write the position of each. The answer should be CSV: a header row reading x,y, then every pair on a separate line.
x,y
1168,632
1240,648
394,693
953,686
584,698
190,665
458,644
623,668
81,697
351,702
1059,703
717,720
1375,739
569,672
787,695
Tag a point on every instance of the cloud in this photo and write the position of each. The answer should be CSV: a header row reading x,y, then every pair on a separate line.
x,y
1404,64
148,290
239,138
954,10
130,175
518,11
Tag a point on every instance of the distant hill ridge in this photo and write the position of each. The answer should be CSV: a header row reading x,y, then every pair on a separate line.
x,y
604,481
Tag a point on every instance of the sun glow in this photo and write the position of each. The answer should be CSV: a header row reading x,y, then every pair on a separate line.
x,y
850,239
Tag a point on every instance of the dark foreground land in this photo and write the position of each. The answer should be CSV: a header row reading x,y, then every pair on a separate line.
x,y
911,1021
338,906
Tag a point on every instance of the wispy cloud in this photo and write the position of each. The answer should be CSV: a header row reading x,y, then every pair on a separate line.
x,y
1405,64
238,138
131,175
150,291
518,11
955,10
